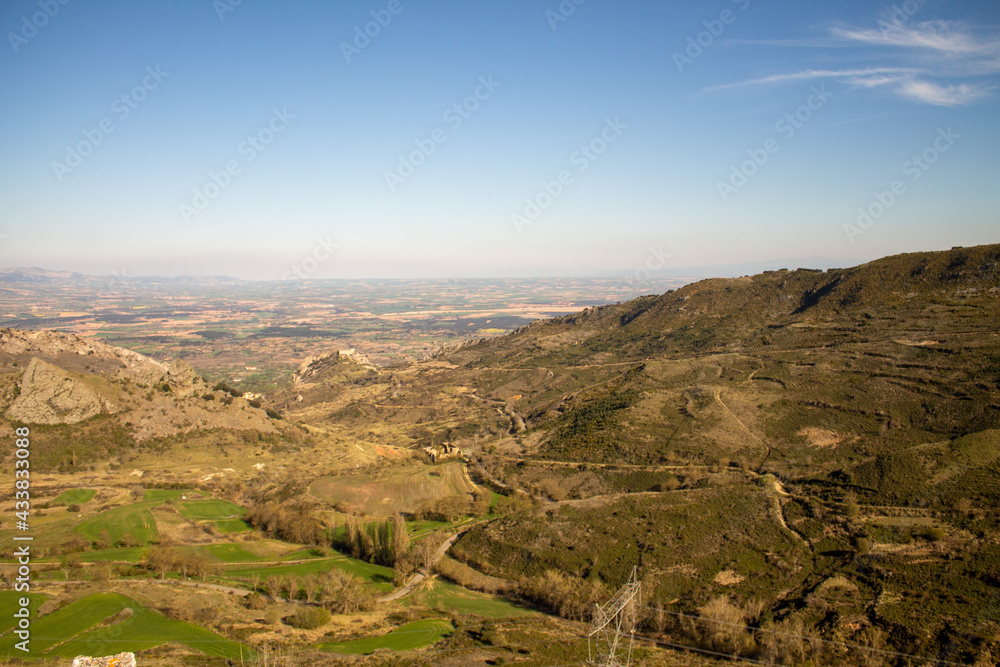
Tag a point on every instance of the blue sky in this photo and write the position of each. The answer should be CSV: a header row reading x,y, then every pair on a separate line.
x,y
496,138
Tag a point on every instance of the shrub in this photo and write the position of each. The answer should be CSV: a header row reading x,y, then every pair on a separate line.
x,y
308,618
255,601
934,534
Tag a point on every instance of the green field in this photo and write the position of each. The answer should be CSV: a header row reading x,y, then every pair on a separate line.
x,y
230,553
134,520
404,638
146,629
9,603
74,497
70,631
448,597
172,494
228,526
71,620
380,577
198,510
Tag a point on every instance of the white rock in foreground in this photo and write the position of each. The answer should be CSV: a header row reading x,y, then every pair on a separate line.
x,y
120,660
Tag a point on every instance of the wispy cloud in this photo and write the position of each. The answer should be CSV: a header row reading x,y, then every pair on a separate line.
x,y
944,96
851,75
940,58
944,37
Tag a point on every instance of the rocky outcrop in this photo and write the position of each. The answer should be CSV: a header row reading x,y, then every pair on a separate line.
x,y
50,395
310,369
119,660
61,348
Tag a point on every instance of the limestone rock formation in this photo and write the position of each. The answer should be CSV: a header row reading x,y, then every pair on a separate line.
x,y
119,660
50,395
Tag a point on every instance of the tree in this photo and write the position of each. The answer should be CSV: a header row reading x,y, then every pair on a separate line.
x,y
159,559
201,566
103,540
273,585
345,593
294,583
452,508
310,586
423,553
102,572
723,626
400,539
481,503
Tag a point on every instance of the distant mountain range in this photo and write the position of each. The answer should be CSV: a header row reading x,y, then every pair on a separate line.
x,y
23,274
33,274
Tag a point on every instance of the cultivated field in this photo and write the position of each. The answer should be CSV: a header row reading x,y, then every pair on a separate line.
x,y
394,490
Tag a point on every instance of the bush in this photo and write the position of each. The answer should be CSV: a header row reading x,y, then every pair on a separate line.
x,y
934,534
308,618
255,601
73,509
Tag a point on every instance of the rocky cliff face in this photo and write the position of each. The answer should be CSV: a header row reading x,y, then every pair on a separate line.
x,y
73,353
50,395
49,377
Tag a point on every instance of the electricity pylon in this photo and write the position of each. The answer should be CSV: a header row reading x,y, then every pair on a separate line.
x,y
612,632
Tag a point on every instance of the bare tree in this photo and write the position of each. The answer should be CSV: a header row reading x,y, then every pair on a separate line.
x,y
400,538
310,586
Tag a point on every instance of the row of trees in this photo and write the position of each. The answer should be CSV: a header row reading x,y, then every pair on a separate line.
x,y
162,559
385,543
338,591
292,524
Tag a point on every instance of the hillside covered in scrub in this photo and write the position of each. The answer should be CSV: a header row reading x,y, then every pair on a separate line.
x,y
801,464
805,451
